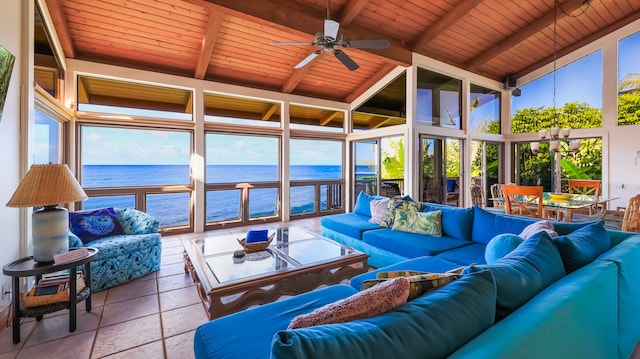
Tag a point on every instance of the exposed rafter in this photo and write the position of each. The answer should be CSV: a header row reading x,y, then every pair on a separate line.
x,y
328,118
62,30
350,11
209,42
523,34
297,76
384,70
444,23
270,110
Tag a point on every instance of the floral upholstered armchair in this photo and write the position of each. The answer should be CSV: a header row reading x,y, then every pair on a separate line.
x,y
128,242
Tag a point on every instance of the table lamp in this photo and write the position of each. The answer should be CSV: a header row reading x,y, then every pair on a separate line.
x,y
47,185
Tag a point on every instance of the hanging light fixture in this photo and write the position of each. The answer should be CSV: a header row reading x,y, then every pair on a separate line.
x,y
555,134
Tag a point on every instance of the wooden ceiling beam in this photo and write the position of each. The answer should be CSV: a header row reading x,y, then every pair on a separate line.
x,y
378,121
297,75
208,42
328,118
134,103
514,39
286,15
266,114
350,11
61,28
440,26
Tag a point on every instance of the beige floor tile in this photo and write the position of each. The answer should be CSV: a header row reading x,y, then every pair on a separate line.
x,y
153,350
6,339
173,250
171,241
172,282
180,346
183,319
122,311
52,328
9,355
171,269
171,259
76,346
138,288
178,298
97,299
120,337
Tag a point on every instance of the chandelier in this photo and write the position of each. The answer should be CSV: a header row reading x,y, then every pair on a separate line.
x,y
555,134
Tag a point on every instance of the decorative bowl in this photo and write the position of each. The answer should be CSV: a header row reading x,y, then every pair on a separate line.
x,y
256,246
560,196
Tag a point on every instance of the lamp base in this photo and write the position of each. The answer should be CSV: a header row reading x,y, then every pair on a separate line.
x,y
50,227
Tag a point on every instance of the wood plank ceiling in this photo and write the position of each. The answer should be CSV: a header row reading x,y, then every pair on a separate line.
x,y
228,40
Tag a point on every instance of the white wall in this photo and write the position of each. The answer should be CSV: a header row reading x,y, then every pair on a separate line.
x,y
10,218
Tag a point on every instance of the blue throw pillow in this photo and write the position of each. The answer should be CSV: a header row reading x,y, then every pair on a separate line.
x,y
525,272
456,222
94,224
363,204
257,236
583,245
501,245
487,225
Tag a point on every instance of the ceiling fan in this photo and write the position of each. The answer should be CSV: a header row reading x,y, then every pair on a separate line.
x,y
328,40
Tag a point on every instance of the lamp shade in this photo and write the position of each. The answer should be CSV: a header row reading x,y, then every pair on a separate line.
x,y
47,185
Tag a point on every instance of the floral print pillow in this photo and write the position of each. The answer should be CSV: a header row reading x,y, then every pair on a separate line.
x,y
398,204
429,223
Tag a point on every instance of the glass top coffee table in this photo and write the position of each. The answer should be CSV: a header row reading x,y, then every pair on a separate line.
x,y
297,261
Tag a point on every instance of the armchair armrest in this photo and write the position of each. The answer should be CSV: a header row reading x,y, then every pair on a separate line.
x,y
136,222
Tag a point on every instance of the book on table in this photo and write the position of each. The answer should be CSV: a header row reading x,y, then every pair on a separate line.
x,y
52,289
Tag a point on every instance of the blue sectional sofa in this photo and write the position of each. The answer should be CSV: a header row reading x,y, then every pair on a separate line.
x,y
127,256
574,296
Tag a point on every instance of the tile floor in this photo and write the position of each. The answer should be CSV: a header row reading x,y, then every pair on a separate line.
x,y
151,317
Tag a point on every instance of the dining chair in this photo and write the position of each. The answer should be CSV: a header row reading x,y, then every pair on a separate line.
x,y
631,218
477,196
496,192
523,200
587,187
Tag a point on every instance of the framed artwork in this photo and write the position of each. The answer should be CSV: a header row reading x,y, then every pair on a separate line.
x,y
6,67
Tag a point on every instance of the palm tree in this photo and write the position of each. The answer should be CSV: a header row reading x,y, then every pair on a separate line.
x,y
630,84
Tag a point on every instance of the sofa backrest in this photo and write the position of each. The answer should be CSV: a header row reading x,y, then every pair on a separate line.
x,y
456,222
136,222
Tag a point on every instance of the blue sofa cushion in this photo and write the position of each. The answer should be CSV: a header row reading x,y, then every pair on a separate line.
x,y
487,225
582,246
410,245
94,224
248,334
467,255
456,222
435,324
363,204
501,245
421,264
349,224
523,273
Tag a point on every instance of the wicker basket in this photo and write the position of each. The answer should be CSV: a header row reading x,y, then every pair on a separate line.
x,y
256,246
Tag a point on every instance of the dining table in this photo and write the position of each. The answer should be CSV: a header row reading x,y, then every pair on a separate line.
x,y
561,206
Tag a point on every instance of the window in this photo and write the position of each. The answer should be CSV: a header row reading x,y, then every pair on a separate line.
x,y
130,99
47,134
578,98
629,80
316,119
243,177
138,168
439,100
484,110
386,108
241,111
315,175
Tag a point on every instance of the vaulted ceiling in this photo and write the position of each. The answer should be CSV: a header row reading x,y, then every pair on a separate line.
x,y
229,40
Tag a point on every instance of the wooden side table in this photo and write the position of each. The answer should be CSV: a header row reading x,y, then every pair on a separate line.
x,y
26,267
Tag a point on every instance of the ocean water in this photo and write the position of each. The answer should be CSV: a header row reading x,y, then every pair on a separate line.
x,y
173,209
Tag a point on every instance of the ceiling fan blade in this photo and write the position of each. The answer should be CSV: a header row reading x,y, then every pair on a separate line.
x,y
346,60
307,59
368,44
331,28
290,43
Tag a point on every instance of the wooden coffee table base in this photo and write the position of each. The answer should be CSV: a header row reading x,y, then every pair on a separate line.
x,y
226,299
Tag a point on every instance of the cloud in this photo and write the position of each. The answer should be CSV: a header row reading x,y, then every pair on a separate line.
x,y
94,137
